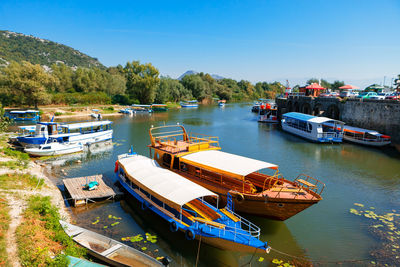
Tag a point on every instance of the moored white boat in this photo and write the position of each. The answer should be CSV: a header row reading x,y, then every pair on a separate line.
x,y
189,104
363,136
54,149
312,127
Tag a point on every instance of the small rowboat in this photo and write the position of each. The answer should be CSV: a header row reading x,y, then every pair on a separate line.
x,y
54,149
107,249
77,262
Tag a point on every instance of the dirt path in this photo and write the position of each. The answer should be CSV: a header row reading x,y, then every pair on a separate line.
x,y
16,208
16,202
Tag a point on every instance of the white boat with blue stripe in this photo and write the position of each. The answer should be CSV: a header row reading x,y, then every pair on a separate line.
x,y
182,204
83,132
313,128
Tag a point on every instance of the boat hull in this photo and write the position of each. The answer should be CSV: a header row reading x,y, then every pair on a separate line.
x,y
279,209
41,153
309,136
366,143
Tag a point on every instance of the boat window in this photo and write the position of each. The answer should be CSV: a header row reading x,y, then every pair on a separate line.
x,y
309,127
46,147
167,159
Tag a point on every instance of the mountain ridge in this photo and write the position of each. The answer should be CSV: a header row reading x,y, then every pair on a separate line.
x,y
21,47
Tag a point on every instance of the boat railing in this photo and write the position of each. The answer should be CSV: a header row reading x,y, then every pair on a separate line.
x,y
249,228
305,181
272,180
330,134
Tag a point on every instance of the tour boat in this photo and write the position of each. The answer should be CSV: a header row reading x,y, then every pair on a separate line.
x,y
182,204
23,115
313,128
362,136
83,132
197,158
109,250
221,103
54,149
189,104
141,108
159,107
268,113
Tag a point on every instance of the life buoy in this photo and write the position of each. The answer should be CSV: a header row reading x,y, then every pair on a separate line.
x,y
116,167
189,234
173,226
239,197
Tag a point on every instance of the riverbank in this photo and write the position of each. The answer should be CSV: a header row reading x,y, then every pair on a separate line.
x,y
30,207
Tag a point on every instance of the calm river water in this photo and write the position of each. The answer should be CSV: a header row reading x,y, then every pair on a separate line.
x,y
326,232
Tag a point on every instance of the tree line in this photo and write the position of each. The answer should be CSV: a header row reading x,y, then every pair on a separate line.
x,y
26,84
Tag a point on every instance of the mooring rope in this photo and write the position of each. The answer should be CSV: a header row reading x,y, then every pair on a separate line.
x,y
198,252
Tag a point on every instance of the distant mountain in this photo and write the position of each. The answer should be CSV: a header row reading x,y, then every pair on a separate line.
x,y
192,72
20,47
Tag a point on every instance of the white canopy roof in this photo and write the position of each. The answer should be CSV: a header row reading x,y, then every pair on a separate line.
x,y
323,119
227,162
24,111
85,124
167,185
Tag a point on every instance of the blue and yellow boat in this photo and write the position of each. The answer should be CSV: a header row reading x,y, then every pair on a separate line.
x,y
182,204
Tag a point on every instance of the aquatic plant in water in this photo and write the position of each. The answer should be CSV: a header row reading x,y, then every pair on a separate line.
x,y
385,227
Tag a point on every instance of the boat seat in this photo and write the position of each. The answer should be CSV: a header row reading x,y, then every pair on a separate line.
x,y
306,183
285,189
212,223
187,215
230,215
107,252
75,232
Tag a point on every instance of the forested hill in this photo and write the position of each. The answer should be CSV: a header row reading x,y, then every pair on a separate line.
x,y
20,47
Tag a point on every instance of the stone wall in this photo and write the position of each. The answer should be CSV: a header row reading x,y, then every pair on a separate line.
x,y
380,115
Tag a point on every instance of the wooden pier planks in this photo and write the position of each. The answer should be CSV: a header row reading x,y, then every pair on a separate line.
x,y
75,186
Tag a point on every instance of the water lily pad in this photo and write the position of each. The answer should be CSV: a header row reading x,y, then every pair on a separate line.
x,y
159,258
105,227
114,224
261,259
144,248
358,204
95,222
276,261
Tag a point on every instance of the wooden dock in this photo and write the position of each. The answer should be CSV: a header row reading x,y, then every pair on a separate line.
x,y
105,190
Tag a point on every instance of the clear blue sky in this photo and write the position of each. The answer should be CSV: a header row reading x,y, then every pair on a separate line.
x,y
254,40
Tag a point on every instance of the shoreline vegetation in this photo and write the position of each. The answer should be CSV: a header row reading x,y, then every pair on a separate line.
x,y
30,207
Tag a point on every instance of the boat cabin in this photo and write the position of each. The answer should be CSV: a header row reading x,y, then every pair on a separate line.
x,y
23,115
313,128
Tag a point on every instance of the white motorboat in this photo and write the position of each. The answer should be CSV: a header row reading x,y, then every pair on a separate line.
x,y
54,149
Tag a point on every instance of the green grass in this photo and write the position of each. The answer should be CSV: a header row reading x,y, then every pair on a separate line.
x,y
41,239
4,223
21,158
20,181
173,105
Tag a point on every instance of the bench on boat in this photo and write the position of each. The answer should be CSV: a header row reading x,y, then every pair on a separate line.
x,y
230,215
212,223
141,194
306,183
111,250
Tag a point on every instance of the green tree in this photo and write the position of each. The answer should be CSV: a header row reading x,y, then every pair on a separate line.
x,y
63,76
4,122
336,84
142,81
195,85
27,83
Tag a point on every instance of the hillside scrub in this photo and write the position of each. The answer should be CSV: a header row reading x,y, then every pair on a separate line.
x,y
4,224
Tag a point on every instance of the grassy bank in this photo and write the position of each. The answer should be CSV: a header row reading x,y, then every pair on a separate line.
x,y
4,223
40,238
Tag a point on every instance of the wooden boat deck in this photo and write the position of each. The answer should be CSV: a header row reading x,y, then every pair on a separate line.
x,y
287,190
80,196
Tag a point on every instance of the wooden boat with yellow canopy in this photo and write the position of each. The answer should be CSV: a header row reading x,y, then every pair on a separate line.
x,y
198,158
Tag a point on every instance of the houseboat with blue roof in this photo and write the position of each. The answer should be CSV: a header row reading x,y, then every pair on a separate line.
x,y
313,128
182,204
23,115
83,132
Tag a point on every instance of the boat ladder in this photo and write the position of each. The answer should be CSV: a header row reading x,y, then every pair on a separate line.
x,y
229,202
